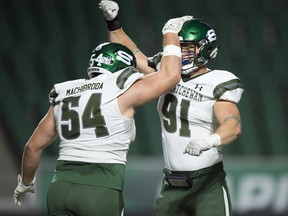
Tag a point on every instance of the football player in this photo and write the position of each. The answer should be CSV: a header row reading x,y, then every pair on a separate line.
x,y
94,119
199,116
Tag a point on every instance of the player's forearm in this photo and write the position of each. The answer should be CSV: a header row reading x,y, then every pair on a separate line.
x,y
171,60
114,26
229,131
30,162
43,136
116,34
119,36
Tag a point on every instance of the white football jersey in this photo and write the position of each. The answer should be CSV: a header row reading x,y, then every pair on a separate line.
x,y
186,112
88,120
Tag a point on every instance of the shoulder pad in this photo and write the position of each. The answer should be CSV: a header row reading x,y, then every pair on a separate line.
x,y
226,86
124,76
230,90
52,96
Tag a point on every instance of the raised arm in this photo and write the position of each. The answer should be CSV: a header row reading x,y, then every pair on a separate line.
x,y
116,34
155,84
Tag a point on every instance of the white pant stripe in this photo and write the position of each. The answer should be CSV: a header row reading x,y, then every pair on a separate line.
x,y
226,203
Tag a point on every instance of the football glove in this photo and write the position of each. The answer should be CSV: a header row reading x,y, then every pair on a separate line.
x,y
109,8
21,189
197,146
154,61
174,25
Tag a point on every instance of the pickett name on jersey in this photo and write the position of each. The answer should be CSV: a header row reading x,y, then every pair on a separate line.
x,y
86,87
187,92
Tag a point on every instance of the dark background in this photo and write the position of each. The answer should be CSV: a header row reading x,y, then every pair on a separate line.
x,y
44,42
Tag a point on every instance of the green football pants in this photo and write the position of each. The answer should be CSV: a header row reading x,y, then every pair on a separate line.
x,y
70,199
208,195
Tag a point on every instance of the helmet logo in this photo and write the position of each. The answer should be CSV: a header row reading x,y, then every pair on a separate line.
x,y
211,35
124,57
100,60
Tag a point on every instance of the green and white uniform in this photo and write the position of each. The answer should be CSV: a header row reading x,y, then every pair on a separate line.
x,y
94,142
186,112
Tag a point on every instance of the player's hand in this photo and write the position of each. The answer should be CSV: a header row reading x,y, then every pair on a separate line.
x,y
197,146
109,8
156,59
174,25
21,189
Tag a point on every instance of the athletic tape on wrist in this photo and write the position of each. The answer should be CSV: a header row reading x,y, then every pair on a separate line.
x,y
113,24
215,139
172,50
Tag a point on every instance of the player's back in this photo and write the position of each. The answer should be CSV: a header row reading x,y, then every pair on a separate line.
x,y
89,123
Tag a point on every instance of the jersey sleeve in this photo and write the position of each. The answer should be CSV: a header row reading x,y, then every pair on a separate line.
x,y
127,77
230,87
119,83
52,96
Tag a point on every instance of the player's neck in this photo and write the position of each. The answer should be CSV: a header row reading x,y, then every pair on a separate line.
x,y
200,71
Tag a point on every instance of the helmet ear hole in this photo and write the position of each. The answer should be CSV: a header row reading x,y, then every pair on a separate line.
x,y
202,42
109,58
201,60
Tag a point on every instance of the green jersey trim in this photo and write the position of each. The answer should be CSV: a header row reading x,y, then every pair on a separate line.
x,y
226,86
123,77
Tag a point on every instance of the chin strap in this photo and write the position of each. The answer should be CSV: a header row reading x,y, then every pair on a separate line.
x,y
189,70
192,68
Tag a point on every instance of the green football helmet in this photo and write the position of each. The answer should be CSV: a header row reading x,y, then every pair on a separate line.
x,y
199,33
108,58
